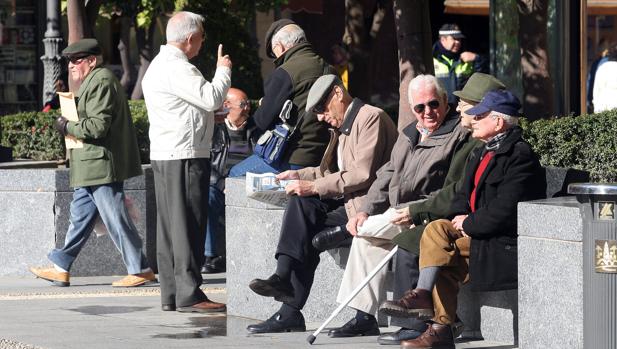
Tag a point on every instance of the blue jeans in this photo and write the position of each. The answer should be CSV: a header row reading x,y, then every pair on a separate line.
x,y
255,164
108,201
216,219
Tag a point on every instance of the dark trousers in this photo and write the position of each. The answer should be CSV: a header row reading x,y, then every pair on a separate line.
x,y
304,218
406,273
181,188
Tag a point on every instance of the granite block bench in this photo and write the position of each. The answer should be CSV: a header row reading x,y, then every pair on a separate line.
x,y
34,213
253,232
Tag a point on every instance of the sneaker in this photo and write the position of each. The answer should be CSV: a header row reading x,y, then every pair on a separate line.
x,y
58,278
133,280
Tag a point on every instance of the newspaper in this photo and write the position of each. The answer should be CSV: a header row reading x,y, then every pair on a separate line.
x,y
266,188
69,111
379,226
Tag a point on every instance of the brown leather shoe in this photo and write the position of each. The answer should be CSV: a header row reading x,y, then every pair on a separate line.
x,y
206,306
134,280
435,336
416,303
58,278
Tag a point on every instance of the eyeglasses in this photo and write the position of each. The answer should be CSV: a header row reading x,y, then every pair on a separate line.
x,y
320,107
76,60
242,105
433,104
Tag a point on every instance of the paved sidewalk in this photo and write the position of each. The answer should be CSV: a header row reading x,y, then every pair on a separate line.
x,y
92,314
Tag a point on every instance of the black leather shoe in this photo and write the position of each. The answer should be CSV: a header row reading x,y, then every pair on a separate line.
x,y
352,329
274,286
168,307
395,338
276,323
330,238
213,265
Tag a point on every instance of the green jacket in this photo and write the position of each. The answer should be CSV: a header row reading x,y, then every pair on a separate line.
x,y
110,152
438,205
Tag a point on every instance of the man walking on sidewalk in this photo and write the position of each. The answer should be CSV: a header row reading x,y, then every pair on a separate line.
x,y
109,156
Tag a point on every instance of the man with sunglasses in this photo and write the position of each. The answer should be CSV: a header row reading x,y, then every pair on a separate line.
x,y
234,138
324,196
108,156
417,167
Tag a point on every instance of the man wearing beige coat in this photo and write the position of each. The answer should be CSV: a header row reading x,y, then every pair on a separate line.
x,y
323,197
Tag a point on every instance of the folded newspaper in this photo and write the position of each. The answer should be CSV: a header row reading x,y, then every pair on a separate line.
x,y
379,226
266,188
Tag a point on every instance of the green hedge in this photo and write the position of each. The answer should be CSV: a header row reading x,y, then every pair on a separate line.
x,y
587,142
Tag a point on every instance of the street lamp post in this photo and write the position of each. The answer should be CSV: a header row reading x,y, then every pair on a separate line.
x,y
52,59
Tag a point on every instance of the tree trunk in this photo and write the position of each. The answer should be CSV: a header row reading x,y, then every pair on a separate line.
x,y
537,83
144,46
413,29
128,77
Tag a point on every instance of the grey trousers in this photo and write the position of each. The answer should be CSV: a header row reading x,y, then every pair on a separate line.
x,y
182,205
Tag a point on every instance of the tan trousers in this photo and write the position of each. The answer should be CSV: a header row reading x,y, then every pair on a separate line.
x,y
364,255
445,247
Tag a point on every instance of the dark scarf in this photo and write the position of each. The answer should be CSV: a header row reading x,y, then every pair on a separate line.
x,y
440,50
494,143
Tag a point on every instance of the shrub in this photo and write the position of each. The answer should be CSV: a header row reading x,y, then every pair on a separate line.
x,y
587,142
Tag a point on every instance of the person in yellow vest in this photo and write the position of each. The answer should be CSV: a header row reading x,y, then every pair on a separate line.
x,y
453,67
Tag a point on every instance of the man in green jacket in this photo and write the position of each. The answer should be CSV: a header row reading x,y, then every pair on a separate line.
x,y
108,155
418,214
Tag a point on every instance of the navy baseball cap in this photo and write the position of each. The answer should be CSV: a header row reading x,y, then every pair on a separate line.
x,y
502,101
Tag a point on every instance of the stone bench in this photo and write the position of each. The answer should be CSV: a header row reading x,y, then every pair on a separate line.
x,y
35,218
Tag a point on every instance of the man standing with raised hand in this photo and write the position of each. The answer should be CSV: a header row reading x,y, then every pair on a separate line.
x,y
181,105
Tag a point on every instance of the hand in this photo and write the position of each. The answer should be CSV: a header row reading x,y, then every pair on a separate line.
x,y
301,188
60,125
457,222
289,174
468,56
402,217
355,222
223,61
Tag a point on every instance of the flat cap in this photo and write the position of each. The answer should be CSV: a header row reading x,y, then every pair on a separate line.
x,y
83,47
477,86
274,28
320,91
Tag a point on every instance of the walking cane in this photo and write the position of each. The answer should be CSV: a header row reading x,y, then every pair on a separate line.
x,y
311,337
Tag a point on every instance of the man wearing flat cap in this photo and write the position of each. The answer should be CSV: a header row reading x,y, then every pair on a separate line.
x,y
453,67
109,155
414,218
478,242
324,196
297,68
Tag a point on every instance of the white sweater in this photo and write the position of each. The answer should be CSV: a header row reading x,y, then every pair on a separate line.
x,y
605,87
181,105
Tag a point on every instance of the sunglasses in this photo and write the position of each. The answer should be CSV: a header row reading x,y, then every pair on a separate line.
x,y
419,108
77,60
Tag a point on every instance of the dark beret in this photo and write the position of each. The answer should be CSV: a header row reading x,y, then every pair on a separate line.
x,y
274,28
83,47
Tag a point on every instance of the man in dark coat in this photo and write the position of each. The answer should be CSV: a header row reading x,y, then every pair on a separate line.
x,y
297,68
479,242
418,214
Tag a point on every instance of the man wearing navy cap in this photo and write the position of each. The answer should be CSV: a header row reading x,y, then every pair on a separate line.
x,y
478,243
453,67
109,155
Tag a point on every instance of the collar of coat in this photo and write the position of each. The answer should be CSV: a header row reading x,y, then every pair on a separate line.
x,y
448,125
350,116
289,53
515,134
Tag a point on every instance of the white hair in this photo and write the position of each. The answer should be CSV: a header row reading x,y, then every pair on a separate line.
x,y
183,24
422,81
509,120
289,36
